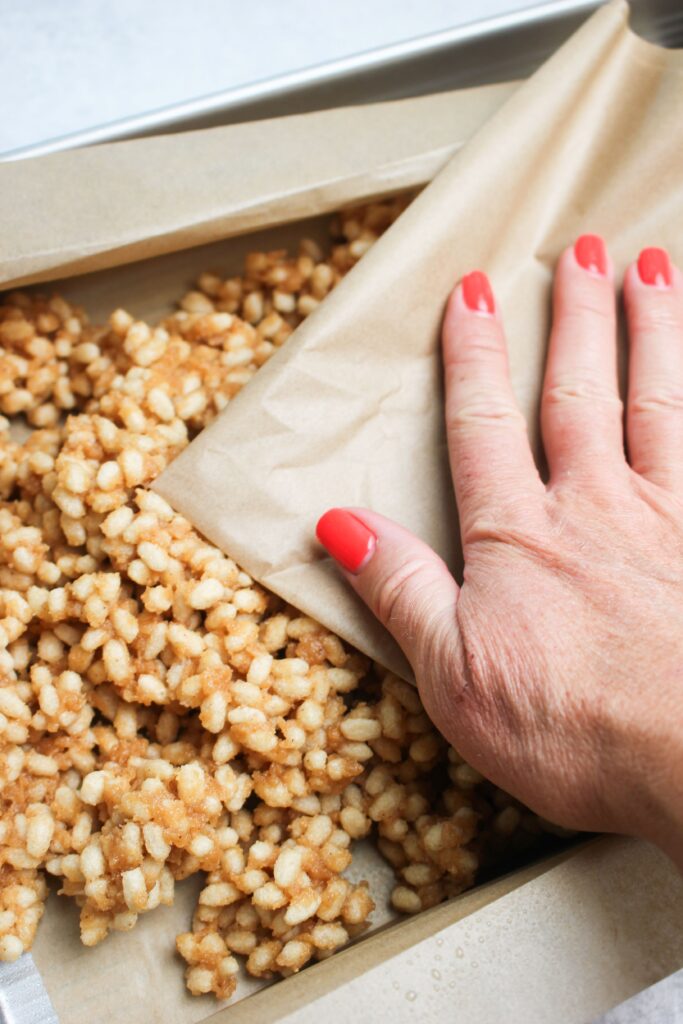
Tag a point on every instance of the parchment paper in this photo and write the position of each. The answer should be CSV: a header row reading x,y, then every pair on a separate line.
x,y
88,209
350,411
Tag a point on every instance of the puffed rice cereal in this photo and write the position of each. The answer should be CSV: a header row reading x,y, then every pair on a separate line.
x,y
160,713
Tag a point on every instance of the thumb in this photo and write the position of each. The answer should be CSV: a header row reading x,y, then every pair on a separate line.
x,y
407,586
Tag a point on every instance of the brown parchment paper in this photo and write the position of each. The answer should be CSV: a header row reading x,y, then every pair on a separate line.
x,y
88,209
350,411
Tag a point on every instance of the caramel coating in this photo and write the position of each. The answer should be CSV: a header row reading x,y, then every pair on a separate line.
x,y
160,712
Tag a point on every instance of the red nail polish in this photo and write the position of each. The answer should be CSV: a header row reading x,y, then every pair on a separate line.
x,y
347,539
591,254
654,267
476,291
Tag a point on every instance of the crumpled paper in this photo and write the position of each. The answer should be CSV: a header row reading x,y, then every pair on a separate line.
x,y
350,411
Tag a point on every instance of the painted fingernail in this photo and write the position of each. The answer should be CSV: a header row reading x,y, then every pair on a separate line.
x,y
476,291
654,267
347,539
591,254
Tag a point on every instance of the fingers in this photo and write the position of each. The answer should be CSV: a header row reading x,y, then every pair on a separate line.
x,y
653,295
403,582
581,412
491,460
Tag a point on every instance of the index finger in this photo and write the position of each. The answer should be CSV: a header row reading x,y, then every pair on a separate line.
x,y
490,456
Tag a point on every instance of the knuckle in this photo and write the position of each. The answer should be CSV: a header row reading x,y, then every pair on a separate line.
x,y
656,400
484,410
588,306
507,526
392,598
585,390
656,319
475,343
650,465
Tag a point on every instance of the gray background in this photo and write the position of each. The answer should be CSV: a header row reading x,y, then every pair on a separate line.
x,y
68,65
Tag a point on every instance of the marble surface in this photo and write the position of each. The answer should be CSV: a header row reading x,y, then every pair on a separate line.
x,y
68,65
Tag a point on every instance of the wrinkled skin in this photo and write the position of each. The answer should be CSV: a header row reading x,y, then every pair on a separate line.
x,y
556,669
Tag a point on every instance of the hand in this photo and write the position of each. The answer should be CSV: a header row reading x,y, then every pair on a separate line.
x,y
556,668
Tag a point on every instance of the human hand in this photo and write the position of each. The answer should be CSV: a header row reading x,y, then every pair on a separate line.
x,y
556,668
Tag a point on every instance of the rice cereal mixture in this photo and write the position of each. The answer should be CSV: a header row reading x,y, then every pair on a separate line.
x,y
160,713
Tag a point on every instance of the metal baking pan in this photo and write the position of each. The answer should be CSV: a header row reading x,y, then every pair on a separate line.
x,y
498,49
495,50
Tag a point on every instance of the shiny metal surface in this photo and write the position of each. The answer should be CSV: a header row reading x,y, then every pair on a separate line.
x,y
23,999
495,50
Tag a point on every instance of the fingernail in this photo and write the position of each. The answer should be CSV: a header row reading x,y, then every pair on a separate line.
x,y
654,267
347,539
591,254
476,291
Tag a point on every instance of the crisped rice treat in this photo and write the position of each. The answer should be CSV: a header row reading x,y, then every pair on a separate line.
x,y
161,714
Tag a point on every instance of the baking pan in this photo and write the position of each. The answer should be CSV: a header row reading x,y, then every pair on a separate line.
x,y
494,50
487,51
